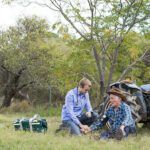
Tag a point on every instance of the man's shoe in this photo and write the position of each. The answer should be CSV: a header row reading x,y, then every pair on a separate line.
x,y
62,127
118,135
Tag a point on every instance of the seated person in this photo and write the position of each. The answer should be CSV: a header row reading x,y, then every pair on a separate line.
x,y
76,101
118,115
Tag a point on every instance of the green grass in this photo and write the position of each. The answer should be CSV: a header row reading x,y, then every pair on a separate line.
x,y
20,140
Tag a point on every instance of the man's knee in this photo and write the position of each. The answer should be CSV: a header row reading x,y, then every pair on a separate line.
x,y
130,130
74,129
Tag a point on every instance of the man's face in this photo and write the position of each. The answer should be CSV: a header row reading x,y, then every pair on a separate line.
x,y
86,87
115,100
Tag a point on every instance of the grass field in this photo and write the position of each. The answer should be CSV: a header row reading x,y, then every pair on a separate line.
x,y
20,140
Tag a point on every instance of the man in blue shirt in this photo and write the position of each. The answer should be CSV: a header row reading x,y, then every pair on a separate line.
x,y
119,117
76,101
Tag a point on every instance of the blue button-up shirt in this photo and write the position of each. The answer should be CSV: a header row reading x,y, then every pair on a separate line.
x,y
116,117
75,103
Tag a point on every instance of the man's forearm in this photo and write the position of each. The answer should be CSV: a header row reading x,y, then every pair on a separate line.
x,y
96,125
99,124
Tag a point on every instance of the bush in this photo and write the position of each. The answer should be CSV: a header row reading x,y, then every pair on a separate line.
x,y
24,108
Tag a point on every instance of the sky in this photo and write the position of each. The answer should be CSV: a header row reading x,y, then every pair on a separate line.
x,y
10,13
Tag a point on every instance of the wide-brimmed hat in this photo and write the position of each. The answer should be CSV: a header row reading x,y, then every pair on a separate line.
x,y
118,92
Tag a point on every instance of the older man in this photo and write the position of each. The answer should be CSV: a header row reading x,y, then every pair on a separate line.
x,y
118,115
76,101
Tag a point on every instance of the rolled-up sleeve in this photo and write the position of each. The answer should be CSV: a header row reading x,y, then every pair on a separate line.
x,y
88,106
69,106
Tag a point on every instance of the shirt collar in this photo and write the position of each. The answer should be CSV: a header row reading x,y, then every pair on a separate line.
x,y
121,105
75,90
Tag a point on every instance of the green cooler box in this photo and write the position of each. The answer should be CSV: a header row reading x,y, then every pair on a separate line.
x,y
34,124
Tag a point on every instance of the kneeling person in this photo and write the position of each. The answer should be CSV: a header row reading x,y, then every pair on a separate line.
x,y
118,115
76,101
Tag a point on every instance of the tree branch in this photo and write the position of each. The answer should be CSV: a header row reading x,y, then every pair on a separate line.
x,y
132,65
25,85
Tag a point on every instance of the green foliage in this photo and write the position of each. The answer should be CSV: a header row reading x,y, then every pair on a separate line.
x,y
61,60
133,47
30,45
77,63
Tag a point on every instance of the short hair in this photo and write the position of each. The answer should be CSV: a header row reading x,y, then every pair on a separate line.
x,y
83,82
116,96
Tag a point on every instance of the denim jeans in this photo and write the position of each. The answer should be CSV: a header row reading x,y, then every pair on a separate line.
x,y
129,130
109,134
74,128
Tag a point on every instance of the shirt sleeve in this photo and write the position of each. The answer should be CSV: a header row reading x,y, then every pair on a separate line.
x,y
128,116
88,106
99,124
96,125
69,106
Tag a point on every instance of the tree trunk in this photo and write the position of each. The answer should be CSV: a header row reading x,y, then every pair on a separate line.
x,y
11,87
112,68
8,95
100,72
7,100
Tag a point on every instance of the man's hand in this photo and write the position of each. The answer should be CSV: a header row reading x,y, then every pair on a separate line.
x,y
83,127
87,130
88,114
122,128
